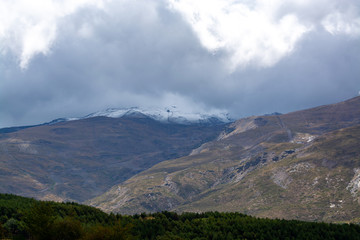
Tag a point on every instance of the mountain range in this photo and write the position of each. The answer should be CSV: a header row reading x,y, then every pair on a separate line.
x,y
301,165
78,159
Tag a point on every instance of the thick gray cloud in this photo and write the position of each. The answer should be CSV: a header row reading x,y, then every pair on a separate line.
x,y
161,53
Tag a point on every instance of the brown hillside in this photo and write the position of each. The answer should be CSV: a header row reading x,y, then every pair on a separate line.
x,y
78,160
301,165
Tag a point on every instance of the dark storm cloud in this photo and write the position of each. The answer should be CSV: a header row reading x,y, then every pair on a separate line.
x,y
323,70
143,54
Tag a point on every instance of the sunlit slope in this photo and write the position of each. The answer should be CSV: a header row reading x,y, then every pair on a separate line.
x,y
302,165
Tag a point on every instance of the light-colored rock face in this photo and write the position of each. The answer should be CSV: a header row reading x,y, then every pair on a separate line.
x,y
240,126
354,185
172,186
20,145
301,167
281,178
303,138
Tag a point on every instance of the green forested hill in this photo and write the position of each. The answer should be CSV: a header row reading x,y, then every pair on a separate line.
x,y
24,218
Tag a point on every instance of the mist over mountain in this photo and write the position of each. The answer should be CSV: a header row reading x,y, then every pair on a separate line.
x,y
71,58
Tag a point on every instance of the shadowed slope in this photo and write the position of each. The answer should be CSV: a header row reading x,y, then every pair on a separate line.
x,y
78,160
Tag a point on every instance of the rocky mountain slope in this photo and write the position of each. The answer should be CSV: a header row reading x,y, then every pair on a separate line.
x,y
75,160
302,165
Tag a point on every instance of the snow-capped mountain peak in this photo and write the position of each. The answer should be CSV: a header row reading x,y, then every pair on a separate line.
x,y
169,114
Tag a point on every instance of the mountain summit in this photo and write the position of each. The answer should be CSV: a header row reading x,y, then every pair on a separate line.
x,y
168,115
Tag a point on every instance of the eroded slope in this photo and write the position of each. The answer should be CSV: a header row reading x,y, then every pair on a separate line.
x,y
302,165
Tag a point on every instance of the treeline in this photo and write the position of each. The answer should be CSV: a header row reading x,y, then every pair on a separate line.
x,y
24,218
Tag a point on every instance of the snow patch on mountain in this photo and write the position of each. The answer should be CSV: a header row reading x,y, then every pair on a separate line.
x,y
169,114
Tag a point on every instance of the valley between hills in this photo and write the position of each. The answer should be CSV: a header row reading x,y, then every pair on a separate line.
x,y
302,165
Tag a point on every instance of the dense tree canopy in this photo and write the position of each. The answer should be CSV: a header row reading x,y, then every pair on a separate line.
x,y
24,218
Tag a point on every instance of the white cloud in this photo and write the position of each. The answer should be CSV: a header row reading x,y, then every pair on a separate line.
x,y
28,28
342,23
250,31
141,53
86,31
262,32
186,104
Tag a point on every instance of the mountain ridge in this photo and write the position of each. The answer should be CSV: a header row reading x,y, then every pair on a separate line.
x,y
169,114
300,165
165,115
77,160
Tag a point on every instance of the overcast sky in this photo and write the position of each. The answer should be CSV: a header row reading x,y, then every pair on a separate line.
x,y
66,58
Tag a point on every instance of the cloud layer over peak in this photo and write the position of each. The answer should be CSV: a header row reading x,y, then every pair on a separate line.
x,y
71,58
